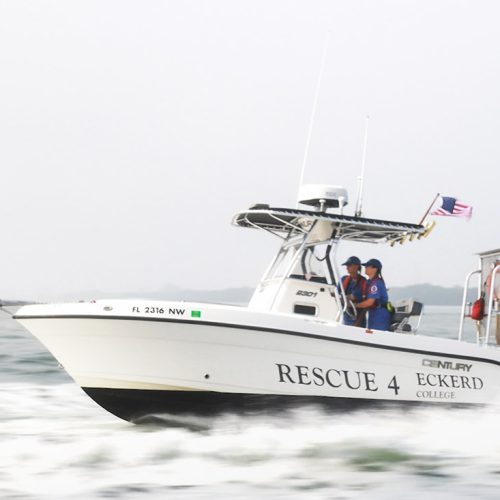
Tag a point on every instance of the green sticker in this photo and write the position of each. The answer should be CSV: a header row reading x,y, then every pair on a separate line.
x,y
196,314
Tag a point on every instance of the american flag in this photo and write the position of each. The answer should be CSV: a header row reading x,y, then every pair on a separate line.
x,y
453,207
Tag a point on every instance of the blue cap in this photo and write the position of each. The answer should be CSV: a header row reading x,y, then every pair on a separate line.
x,y
352,260
373,263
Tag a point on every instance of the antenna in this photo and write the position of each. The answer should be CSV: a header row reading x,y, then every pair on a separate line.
x,y
313,113
361,178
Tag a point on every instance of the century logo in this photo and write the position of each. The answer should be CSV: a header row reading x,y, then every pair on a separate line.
x,y
447,365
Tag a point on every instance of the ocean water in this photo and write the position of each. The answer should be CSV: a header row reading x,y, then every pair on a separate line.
x,y
56,443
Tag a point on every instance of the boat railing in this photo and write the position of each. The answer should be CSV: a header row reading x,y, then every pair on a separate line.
x,y
464,301
490,311
293,262
338,291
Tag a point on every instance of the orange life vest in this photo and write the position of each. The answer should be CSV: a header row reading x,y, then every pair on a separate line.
x,y
361,279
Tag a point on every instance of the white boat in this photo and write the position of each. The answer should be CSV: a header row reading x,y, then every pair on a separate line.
x,y
289,346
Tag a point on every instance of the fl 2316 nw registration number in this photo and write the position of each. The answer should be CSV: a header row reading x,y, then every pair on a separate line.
x,y
170,311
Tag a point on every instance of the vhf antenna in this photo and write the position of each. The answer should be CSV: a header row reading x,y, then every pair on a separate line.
x,y
361,178
313,113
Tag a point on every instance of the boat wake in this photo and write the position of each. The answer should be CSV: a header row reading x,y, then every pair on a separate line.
x,y
49,449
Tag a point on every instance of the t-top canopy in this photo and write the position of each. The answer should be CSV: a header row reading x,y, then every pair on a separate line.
x,y
490,253
284,221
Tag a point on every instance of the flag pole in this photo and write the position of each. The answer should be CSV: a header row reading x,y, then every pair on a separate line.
x,y
429,209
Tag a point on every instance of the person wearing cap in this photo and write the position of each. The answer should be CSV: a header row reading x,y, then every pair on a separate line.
x,y
354,285
379,318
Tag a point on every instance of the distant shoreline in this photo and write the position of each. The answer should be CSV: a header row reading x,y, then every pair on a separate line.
x,y
426,293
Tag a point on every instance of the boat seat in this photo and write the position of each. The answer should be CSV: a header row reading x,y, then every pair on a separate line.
x,y
403,311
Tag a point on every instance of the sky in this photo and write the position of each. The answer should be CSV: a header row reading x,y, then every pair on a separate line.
x,y
131,132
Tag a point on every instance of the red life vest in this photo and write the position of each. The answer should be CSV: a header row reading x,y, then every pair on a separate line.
x,y
361,279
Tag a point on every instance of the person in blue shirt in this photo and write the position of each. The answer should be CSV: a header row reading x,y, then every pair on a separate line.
x,y
354,285
379,318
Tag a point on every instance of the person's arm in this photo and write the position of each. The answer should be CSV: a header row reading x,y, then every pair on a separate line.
x,y
366,304
356,294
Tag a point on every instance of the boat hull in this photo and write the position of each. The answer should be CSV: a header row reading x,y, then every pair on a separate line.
x,y
143,406
212,359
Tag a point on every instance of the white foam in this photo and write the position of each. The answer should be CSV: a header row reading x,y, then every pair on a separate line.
x,y
58,443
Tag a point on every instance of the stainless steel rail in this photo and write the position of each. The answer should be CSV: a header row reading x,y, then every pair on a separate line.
x,y
490,302
464,301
